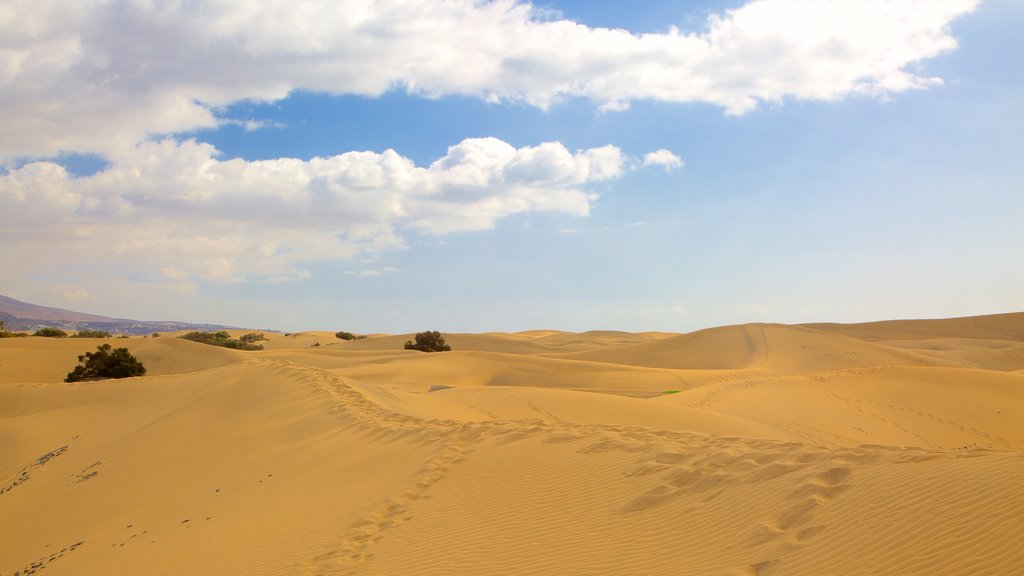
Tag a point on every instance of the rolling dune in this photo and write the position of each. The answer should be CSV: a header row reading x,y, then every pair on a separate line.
x,y
763,347
743,450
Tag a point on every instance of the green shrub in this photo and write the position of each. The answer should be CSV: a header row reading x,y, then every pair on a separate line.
x,y
349,336
223,339
106,362
51,333
252,337
428,342
91,334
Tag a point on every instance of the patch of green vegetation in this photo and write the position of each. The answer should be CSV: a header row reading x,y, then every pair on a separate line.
x,y
349,336
106,362
252,338
428,342
51,333
224,340
91,334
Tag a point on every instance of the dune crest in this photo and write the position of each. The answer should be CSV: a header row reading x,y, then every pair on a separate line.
x,y
755,449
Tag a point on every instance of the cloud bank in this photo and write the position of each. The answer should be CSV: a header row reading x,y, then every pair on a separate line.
x,y
178,211
102,75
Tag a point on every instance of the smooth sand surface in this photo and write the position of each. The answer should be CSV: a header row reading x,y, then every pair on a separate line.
x,y
884,448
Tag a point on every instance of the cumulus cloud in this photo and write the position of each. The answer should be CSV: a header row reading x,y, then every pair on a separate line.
x,y
371,272
664,158
101,75
179,211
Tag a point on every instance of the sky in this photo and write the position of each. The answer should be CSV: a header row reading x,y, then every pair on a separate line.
x,y
469,166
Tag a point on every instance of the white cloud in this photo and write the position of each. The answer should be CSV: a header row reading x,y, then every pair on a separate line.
x,y
174,211
101,75
663,158
371,272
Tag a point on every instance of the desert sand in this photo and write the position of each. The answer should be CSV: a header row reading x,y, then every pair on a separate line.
x,y
885,448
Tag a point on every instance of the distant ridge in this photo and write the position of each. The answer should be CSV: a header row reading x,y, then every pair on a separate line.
x,y
18,315
990,327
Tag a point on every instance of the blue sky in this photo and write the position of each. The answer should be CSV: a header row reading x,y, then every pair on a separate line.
x,y
822,161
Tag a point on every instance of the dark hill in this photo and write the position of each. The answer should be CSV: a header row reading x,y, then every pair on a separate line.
x,y
18,316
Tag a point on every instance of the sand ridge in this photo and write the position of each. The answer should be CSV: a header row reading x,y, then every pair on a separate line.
x,y
782,456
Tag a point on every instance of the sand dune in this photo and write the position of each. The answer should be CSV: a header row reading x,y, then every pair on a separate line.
x,y
533,342
50,359
990,327
756,449
764,347
969,352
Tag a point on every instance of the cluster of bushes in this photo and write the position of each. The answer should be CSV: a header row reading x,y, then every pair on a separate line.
x,y
91,334
223,339
349,336
49,332
106,362
5,334
428,342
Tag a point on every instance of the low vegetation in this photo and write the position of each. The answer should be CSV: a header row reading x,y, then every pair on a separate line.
x,y
51,333
349,336
91,334
106,362
224,340
428,342
5,334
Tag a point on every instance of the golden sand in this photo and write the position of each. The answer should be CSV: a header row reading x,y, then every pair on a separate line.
x,y
885,448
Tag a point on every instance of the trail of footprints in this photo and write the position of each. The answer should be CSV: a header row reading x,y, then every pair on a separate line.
x,y
680,464
356,544
26,473
45,561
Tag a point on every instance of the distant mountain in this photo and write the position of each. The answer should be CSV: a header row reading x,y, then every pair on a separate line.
x,y
18,315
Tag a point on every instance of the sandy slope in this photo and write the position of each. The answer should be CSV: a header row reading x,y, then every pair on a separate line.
x,y
50,359
990,327
781,450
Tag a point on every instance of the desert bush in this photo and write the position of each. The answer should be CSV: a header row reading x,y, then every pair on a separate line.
x,y
51,333
349,336
91,334
222,339
252,337
428,342
106,362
